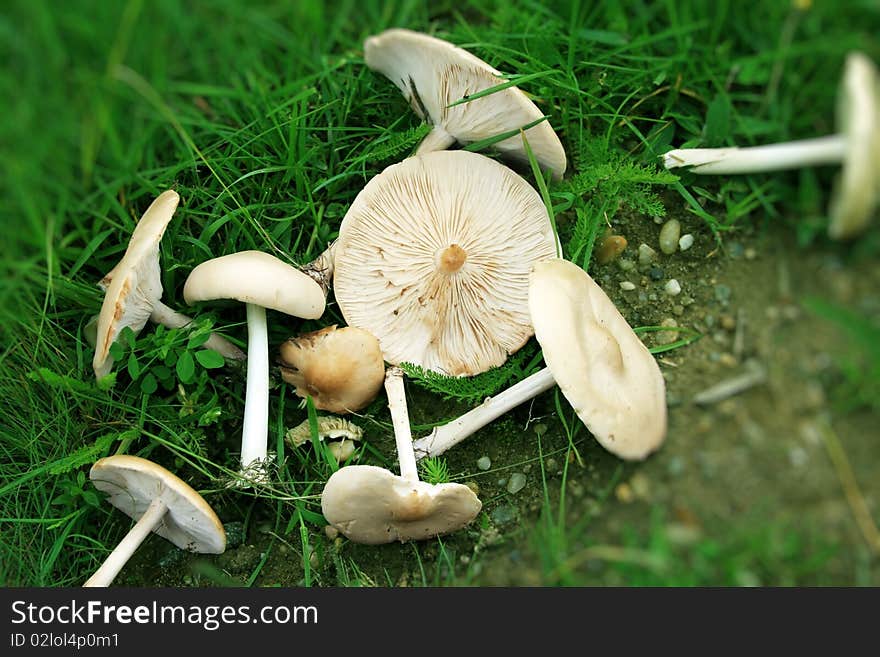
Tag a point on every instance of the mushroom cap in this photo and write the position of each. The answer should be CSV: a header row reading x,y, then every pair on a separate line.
x,y
342,370
134,285
607,374
857,192
432,73
258,278
133,483
372,505
435,257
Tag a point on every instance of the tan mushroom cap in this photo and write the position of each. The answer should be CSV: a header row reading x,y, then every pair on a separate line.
x,y
373,506
133,483
134,285
433,73
257,278
603,369
435,258
857,192
340,369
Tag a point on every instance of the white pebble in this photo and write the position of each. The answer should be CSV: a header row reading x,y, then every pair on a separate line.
x,y
646,254
484,463
516,483
626,285
686,242
672,287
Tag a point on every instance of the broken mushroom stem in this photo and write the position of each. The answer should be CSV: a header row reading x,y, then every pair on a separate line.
x,y
450,434
831,149
120,555
170,318
400,421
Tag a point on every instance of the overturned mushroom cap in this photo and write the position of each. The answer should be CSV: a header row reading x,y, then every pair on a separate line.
x,y
607,374
372,505
134,284
132,483
857,192
339,432
433,74
435,258
257,278
340,369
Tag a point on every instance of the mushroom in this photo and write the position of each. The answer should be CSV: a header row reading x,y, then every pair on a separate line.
x,y
857,146
434,74
603,369
434,261
340,369
371,505
340,434
133,288
160,502
260,281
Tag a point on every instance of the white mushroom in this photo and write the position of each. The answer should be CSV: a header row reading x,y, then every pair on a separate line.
x,y
260,281
603,369
433,74
340,369
856,146
133,289
372,505
160,502
435,258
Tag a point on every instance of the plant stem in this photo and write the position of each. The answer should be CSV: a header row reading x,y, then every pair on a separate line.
x,y
400,419
114,562
255,430
756,159
452,433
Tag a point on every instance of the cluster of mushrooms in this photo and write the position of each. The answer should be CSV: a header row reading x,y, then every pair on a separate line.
x,y
447,260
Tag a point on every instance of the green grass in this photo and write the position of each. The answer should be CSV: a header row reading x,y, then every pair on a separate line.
x,y
267,122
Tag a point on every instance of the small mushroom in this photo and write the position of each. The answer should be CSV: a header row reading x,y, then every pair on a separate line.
x,y
340,369
434,75
160,502
434,261
857,146
260,281
339,434
603,369
371,505
133,289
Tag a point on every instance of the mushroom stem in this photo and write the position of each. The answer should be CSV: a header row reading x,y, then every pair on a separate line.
x,y
255,430
114,562
436,140
755,159
167,316
452,433
400,420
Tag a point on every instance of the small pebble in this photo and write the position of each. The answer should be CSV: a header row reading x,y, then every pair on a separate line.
x,y
750,254
516,482
474,486
624,493
667,337
647,255
551,465
722,293
656,273
728,360
728,322
672,287
484,463
677,309
658,220
609,248
626,264
685,242
331,532
626,285
503,514
669,236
